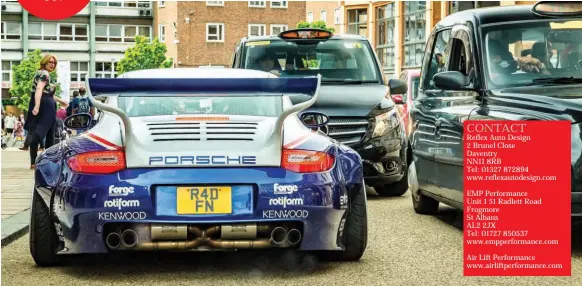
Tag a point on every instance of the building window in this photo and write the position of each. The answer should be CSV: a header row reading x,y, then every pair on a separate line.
x,y
127,4
214,3
7,70
105,69
323,16
257,4
120,33
42,31
79,71
457,6
72,32
257,30
276,29
385,34
11,31
358,22
162,33
278,4
215,32
337,16
162,3
309,17
58,32
415,30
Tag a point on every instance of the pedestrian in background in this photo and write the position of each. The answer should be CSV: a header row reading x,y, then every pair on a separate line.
x,y
10,120
42,113
70,107
82,104
62,112
3,124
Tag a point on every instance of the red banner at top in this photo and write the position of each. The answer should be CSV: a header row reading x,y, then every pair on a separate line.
x,y
53,9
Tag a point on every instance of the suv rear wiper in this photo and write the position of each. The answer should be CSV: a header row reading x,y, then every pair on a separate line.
x,y
555,80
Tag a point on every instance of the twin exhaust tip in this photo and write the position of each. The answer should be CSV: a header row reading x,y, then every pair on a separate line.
x,y
280,235
128,238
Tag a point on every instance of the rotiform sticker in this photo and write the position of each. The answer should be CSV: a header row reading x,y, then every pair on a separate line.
x,y
53,9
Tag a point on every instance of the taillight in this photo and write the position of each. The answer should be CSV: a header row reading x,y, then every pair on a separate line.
x,y
303,161
104,162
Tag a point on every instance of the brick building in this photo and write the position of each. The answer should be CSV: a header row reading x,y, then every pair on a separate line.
x,y
201,33
396,29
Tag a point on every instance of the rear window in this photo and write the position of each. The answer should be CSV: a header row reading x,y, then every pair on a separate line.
x,y
334,59
138,106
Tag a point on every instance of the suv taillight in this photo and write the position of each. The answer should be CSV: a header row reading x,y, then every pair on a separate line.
x,y
303,161
104,162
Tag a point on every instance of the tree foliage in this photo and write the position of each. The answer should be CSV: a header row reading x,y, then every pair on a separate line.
x,y
23,76
144,55
317,25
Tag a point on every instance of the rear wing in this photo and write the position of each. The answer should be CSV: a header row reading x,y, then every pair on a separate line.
x,y
203,87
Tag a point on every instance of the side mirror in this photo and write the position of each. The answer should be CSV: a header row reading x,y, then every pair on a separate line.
x,y
78,121
451,80
397,86
398,99
314,119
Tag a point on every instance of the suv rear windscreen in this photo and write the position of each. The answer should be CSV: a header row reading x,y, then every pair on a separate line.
x,y
335,59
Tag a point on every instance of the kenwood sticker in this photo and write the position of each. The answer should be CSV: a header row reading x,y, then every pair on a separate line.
x,y
122,215
285,214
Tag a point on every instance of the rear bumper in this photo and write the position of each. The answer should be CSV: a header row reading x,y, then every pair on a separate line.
x,y
87,211
384,159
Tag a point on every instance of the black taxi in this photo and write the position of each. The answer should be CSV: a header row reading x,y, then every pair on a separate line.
x,y
354,95
504,63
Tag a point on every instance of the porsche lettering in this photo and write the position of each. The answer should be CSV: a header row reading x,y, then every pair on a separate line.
x,y
203,160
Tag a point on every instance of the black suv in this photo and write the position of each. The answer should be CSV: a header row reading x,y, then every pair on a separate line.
x,y
354,95
503,63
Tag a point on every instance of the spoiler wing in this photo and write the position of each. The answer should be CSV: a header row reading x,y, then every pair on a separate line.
x,y
204,87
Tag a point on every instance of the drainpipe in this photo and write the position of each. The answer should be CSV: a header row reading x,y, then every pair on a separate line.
x,y
24,33
92,29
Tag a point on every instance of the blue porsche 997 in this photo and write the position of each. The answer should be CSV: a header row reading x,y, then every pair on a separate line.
x,y
199,159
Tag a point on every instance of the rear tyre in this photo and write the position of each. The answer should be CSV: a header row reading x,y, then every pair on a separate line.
x,y
421,203
355,238
43,239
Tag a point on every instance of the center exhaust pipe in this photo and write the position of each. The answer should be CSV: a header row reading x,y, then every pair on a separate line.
x,y
113,240
279,235
129,238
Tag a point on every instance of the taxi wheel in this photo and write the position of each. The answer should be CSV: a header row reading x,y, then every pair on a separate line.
x,y
355,236
43,240
421,203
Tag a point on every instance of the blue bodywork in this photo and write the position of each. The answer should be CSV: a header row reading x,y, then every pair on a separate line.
x,y
77,201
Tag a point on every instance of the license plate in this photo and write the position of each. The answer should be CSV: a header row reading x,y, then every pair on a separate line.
x,y
204,200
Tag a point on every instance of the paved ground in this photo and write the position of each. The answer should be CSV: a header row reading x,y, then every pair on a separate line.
x,y
16,191
17,182
403,249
